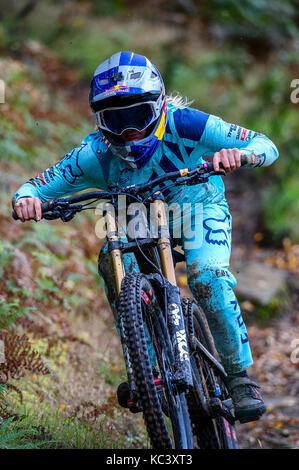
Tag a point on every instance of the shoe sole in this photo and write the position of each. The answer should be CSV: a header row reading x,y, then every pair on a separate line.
x,y
246,416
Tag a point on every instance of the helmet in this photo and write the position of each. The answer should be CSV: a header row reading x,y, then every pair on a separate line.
x,y
127,92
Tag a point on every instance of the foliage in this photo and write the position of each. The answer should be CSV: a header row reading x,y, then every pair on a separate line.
x,y
13,435
62,432
282,208
25,136
19,358
255,19
6,254
234,59
9,312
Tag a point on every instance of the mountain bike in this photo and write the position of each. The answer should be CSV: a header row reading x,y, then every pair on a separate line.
x,y
174,374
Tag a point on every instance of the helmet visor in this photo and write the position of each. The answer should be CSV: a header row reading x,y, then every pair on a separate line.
x,y
117,120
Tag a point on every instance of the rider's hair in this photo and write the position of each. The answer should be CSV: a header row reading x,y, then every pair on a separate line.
x,y
177,99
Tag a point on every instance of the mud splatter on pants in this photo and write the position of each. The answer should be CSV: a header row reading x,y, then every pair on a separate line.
x,y
210,281
212,285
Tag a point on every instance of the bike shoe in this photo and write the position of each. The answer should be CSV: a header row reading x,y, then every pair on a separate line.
x,y
124,398
247,400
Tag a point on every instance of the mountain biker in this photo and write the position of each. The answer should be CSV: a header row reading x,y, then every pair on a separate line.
x,y
141,134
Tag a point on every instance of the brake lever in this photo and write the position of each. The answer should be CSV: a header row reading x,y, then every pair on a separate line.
x,y
69,214
52,215
202,177
220,173
63,212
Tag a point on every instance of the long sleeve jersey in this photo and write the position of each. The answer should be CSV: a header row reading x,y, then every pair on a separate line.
x,y
189,136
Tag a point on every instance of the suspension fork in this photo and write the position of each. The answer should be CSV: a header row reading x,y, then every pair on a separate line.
x,y
114,248
175,319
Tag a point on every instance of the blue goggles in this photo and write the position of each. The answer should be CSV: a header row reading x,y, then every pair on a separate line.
x,y
117,120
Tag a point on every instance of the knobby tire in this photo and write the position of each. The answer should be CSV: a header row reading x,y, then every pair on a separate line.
x,y
137,303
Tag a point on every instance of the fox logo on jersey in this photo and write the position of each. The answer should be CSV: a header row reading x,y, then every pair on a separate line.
x,y
217,231
71,172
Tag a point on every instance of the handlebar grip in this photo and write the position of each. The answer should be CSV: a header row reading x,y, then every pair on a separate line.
x,y
46,207
246,159
14,215
249,159
253,160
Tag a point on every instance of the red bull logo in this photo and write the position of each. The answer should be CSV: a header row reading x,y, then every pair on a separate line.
x,y
116,89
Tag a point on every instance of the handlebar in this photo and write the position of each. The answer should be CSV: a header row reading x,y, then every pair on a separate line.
x,y
196,175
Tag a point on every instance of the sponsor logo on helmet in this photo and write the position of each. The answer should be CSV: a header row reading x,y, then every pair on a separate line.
x,y
115,89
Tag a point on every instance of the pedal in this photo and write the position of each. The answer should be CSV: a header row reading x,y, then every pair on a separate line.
x,y
124,398
218,408
228,403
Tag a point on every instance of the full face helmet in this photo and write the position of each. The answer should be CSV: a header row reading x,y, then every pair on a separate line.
x,y
127,92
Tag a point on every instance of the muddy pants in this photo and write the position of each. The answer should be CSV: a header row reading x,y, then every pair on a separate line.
x,y
210,281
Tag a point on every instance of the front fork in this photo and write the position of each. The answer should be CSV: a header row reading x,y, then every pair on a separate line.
x,y
175,320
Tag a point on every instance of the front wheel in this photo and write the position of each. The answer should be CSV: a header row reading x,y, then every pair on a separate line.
x,y
145,334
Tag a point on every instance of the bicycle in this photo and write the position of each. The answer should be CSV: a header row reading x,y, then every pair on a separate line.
x,y
183,396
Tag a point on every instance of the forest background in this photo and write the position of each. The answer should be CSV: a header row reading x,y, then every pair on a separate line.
x,y
237,60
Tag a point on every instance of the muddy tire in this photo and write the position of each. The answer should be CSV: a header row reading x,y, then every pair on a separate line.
x,y
137,303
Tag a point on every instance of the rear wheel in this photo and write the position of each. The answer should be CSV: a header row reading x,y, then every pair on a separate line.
x,y
165,410
210,433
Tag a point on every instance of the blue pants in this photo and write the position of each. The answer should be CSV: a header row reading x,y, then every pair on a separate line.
x,y
212,284
210,281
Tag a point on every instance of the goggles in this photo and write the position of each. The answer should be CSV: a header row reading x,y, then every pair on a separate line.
x,y
137,116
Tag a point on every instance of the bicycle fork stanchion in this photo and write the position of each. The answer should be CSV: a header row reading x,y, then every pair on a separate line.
x,y
114,248
163,241
175,319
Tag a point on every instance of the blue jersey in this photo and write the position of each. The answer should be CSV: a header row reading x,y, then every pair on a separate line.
x,y
190,135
